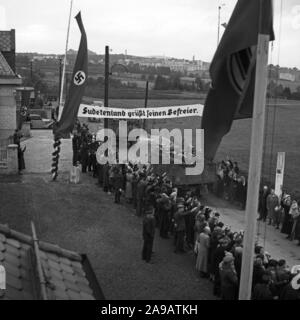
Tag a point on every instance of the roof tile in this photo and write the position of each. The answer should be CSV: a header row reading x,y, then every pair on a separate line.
x,y
12,269
56,274
65,261
13,250
84,288
14,282
53,265
2,246
69,276
86,296
14,243
13,294
52,257
14,260
59,284
74,295
71,285
2,238
67,268
60,295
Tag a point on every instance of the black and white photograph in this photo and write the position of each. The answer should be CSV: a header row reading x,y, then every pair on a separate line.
x,y
149,153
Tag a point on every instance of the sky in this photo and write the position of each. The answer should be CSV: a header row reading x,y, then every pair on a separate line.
x,y
174,28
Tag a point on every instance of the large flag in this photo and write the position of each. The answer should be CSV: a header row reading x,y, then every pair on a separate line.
x,y
64,126
233,71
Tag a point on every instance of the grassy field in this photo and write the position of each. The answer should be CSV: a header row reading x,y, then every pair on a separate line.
x,y
283,136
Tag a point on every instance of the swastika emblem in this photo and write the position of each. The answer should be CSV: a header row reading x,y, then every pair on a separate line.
x,y
79,78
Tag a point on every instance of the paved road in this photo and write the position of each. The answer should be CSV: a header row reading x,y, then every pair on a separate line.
x,y
274,242
39,148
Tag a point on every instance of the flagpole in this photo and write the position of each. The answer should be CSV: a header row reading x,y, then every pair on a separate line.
x,y
255,164
64,65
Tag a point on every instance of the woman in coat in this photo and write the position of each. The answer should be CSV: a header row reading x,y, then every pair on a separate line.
x,y
129,179
295,214
229,279
201,248
287,223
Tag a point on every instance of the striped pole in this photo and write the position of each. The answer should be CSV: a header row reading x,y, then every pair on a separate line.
x,y
55,158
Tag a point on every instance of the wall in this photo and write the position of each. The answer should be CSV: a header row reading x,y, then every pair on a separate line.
x,y
7,111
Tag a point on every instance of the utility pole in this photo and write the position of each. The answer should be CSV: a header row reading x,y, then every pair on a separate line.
x,y
219,21
106,83
59,89
146,100
255,164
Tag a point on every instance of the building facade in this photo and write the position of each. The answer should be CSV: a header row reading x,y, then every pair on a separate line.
x,y
9,81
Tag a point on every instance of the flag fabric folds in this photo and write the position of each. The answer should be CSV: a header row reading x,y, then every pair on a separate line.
x,y
233,71
64,126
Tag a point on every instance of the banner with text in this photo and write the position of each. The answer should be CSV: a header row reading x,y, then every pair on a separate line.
x,y
279,173
93,111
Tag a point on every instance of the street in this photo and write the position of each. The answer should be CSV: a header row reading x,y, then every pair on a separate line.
x,y
85,219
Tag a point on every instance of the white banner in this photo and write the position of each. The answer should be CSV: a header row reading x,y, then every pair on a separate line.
x,y
279,173
93,111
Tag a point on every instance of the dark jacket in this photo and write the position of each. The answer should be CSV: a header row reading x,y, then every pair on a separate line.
x,y
148,227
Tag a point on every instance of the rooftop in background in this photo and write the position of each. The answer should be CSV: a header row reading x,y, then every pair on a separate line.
x,y
68,275
8,47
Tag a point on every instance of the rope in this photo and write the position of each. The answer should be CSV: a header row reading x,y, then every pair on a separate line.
x,y
275,107
55,158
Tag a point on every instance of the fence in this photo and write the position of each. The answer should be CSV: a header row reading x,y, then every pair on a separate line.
x,y
3,151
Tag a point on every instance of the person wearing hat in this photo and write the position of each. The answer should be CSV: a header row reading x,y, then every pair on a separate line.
x,y
217,258
164,206
201,249
272,203
148,234
262,204
140,194
287,223
179,226
229,279
262,289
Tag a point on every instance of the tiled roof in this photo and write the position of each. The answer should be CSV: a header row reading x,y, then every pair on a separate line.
x,y
7,40
5,69
67,275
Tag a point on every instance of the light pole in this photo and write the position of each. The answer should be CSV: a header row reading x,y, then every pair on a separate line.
x,y
107,73
219,20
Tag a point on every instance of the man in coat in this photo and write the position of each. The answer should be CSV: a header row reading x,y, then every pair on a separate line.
x,y
148,234
118,185
140,191
272,203
263,211
179,225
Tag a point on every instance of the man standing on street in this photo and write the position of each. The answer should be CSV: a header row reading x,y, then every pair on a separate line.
x,y
148,234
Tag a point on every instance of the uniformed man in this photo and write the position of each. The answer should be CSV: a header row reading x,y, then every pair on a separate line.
x,y
148,234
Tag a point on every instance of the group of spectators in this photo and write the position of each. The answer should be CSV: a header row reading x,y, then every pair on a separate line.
x,y
195,228
231,184
281,212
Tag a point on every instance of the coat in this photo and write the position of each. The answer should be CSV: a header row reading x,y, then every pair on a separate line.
x,y
272,202
148,227
229,283
129,178
202,246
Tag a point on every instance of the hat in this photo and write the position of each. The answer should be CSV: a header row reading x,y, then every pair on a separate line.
x,y
228,259
149,210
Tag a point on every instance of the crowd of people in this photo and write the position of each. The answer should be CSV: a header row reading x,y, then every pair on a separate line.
x,y
180,215
282,211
